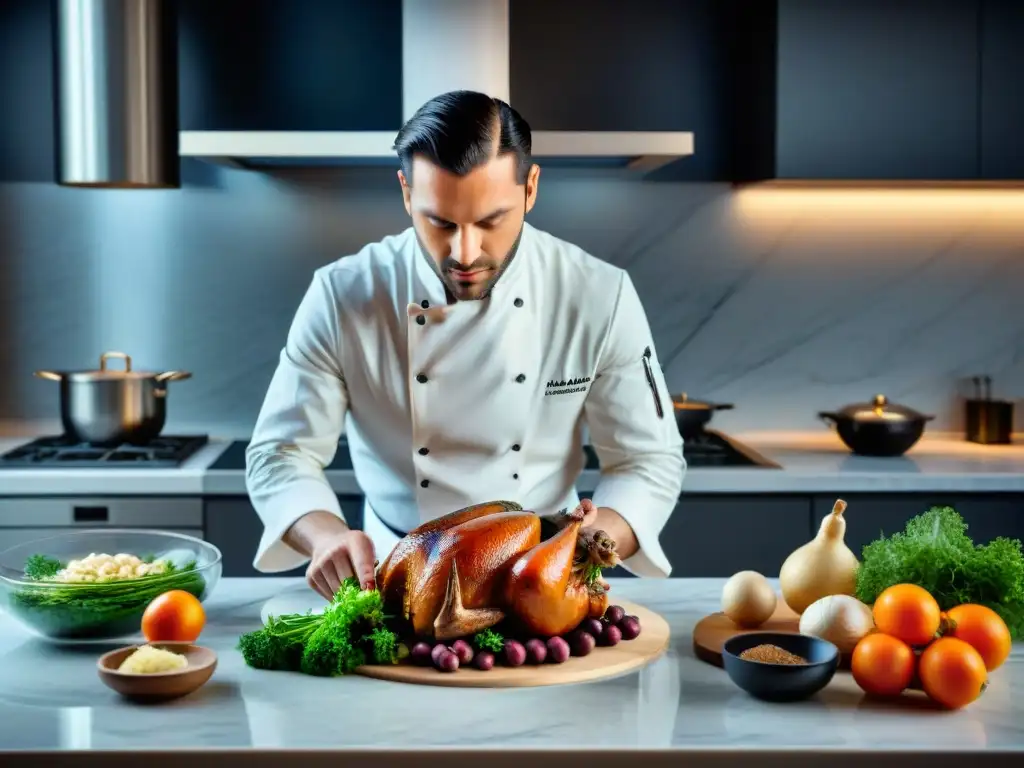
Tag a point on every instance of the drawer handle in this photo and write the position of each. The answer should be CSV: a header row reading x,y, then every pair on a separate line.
x,y
91,514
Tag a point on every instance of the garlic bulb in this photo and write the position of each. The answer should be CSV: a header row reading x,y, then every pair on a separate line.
x,y
840,619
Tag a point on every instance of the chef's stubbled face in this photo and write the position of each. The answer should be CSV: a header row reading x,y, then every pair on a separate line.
x,y
469,225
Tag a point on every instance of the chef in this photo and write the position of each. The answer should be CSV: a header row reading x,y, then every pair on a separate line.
x,y
463,358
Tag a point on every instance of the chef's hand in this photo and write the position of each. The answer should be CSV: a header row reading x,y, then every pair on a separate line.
x,y
337,556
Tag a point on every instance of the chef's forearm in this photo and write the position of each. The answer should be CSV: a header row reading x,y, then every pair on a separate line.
x,y
311,528
621,532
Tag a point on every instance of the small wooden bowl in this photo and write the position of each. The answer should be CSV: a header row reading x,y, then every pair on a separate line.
x,y
159,686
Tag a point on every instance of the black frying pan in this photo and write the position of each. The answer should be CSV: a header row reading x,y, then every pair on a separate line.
x,y
693,415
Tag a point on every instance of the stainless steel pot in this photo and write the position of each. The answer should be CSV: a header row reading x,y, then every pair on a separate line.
x,y
878,428
110,406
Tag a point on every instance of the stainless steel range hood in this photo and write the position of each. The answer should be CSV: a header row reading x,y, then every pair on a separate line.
x,y
474,38
116,73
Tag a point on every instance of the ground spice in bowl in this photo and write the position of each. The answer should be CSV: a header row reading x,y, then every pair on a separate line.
x,y
771,654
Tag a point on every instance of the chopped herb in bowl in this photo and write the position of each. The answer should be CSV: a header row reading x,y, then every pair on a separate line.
x,y
63,594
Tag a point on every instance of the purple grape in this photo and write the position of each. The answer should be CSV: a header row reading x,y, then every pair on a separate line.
x,y
515,653
582,643
615,614
558,650
463,650
483,660
593,627
536,651
437,650
612,635
630,628
421,654
447,662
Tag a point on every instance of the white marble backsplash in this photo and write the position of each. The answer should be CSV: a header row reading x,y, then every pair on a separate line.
x,y
783,302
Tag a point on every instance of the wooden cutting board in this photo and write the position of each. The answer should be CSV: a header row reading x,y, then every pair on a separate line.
x,y
711,632
600,664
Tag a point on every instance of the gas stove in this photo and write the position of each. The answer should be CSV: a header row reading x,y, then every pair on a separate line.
x,y
165,452
713,449
709,449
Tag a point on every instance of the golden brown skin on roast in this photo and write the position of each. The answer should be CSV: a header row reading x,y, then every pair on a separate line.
x,y
466,571
410,554
482,540
542,591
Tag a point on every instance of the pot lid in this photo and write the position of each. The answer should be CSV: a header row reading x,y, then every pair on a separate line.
x,y
108,373
880,409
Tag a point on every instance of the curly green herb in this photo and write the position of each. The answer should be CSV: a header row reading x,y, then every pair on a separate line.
x,y
488,640
42,568
935,552
350,632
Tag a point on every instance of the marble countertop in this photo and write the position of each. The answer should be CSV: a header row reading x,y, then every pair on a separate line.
x,y
811,462
677,708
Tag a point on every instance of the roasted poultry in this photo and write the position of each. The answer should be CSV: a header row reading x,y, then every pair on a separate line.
x,y
469,570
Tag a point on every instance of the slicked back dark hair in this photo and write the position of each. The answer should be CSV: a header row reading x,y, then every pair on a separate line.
x,y
458,130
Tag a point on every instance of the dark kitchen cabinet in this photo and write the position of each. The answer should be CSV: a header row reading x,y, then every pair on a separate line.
x,y
26,92
878,89
595,65
304,65
718,535
232,525
1002,89
870,516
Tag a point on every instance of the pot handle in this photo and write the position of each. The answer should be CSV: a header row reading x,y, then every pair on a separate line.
x,y
49,375
723,407
173,376
120,355
828,417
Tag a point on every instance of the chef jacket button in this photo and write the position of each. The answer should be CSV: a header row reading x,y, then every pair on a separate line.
x,y
515,447
521,378
421,320
425,304
424,451
518,302
421,378
424,483
515,476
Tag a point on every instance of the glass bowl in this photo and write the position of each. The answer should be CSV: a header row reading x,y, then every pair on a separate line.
x,y
102,610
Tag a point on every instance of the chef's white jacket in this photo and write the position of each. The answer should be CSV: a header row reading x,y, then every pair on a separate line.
x,y
450,405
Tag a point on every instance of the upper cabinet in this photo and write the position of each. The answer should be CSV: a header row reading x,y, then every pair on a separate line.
x,y
845,90
301,65
887,90
1002,90
877,89
26,92
597,65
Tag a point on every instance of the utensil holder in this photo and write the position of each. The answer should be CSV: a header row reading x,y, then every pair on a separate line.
x,y
989,422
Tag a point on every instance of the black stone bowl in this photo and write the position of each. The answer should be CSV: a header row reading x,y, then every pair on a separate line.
x,y
781,682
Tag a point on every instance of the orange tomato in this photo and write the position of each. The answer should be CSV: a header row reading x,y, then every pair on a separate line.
x,y
982,629
952,672
908,612
175,616
882,664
